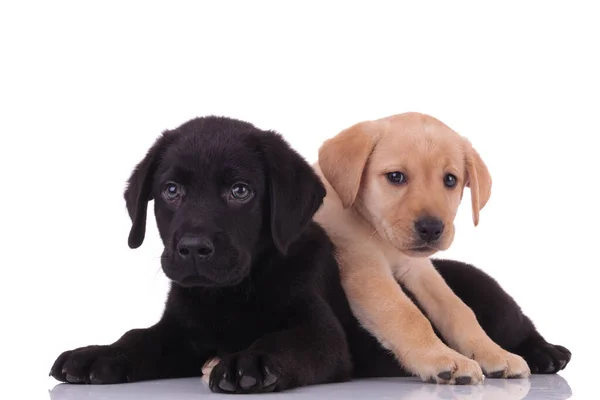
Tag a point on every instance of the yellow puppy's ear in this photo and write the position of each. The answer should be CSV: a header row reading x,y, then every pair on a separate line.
x,y
478,179
343,158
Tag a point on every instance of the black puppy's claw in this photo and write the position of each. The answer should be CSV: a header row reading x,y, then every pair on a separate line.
x,y
463,380
446,375
270,378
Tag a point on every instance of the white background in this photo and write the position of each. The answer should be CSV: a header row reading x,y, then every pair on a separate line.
x,y
85,89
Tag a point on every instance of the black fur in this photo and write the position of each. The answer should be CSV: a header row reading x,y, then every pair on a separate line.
x,y
265,295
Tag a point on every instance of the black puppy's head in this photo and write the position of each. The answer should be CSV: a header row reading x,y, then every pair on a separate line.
x,y
223,192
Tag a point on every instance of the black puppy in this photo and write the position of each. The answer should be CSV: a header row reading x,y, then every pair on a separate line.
x,y
254,280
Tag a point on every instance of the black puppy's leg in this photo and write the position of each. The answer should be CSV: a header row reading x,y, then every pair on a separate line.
x,y
158,352
501,317
541,356
312,350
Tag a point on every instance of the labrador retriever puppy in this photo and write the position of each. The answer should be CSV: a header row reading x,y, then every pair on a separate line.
x,y
393,189
255,283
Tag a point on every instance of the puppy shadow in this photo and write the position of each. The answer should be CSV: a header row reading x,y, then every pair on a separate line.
x,y
185,388
550,387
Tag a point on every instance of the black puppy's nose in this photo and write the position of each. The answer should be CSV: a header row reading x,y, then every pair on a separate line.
x,y
429,229
195,247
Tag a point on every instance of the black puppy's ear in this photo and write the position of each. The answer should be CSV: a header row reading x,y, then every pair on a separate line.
x,y
295,190
139,191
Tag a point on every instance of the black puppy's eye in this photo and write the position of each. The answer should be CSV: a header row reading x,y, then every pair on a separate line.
x,y
171,191
450,180
396,177
241,191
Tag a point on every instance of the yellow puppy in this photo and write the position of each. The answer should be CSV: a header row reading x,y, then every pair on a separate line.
x,y
393,189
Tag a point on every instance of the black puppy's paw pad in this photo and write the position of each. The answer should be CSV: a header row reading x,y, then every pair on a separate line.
x,y
550,367
247,382
92,365
534,369
94,379
546,358
108,370
244,372
226,384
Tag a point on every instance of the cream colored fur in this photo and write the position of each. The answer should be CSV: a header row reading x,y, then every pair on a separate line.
x,y
371,221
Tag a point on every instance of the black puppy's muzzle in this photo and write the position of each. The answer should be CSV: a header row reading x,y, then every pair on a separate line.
x,y
204,257
195,248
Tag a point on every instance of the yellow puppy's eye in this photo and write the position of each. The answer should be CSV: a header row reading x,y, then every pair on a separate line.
x,y
396,177
450,180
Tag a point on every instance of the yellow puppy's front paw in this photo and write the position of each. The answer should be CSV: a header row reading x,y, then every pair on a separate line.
x,y
502,364
444,365
207,368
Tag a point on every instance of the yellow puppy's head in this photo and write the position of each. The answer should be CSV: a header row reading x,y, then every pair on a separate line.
x,y
405,174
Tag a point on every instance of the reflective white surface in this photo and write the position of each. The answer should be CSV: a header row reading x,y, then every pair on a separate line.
x,y
547,387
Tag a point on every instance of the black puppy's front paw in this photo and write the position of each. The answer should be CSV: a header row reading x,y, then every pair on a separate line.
x,y
92,365
245,372
546,358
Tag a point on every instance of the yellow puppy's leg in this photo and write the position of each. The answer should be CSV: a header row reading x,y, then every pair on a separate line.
x,y
457,322
385,311
207,369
